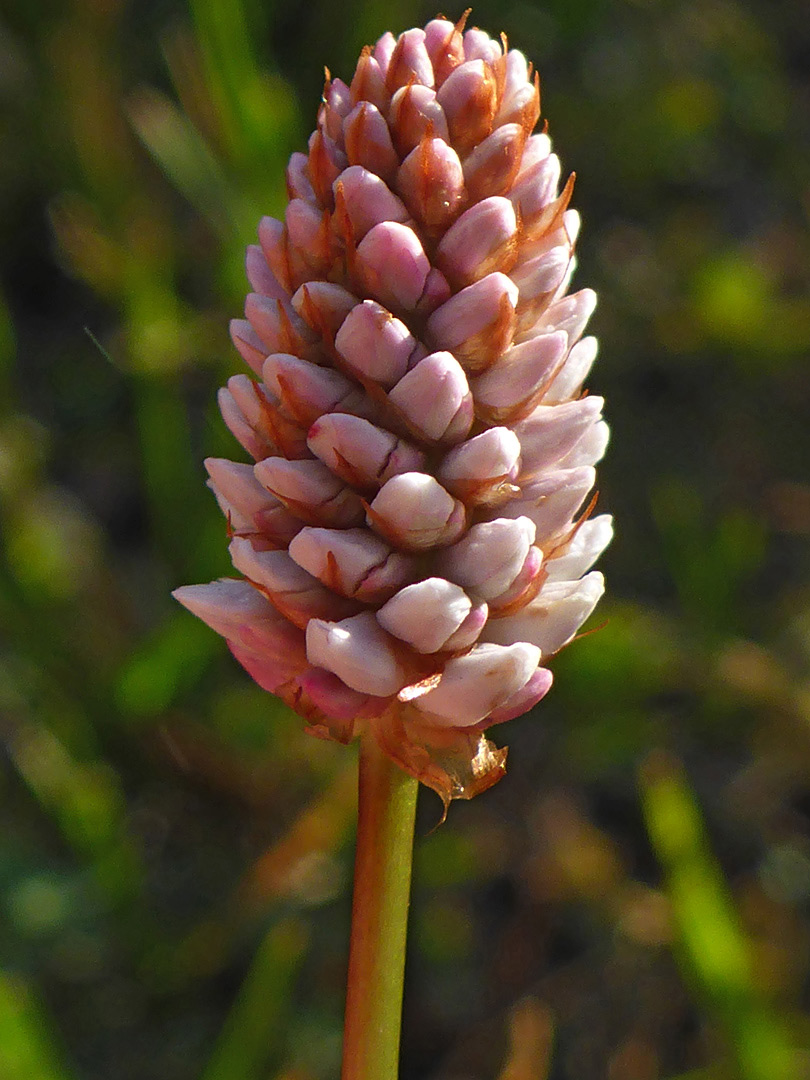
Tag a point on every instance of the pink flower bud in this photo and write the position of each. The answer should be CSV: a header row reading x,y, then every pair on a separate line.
x,y
410,62
359,652
375,344
479,241
297,595
368,84
549,433
414,512
445,47
481,471
581,552
307,391
299,185
363,455
308,230
368,140
552,500
278,327
353,562
392,265
251,625
431,182
414,112
568,382
250,345
474,685
476,324
368,200
553,617
309,490
434,399
478,45
492,166
259,274
489,556
323,306
469,97
240,496
508,390
426,614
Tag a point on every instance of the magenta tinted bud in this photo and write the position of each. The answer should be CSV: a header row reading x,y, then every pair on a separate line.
x,y
393,265
431,182
469,97
368,84
568,383
553,617
552,500
359,652
409,62
482,470
426,614
413,113
306,390
489,556
239,494
550,433
310,491
360,453
478,45
474,685
476,243
524,699
434,399
323,306
414,512
368,200
368,141
295,593
354,562
445,47
299,184
375,344
278,326
509,388
477,323
491,168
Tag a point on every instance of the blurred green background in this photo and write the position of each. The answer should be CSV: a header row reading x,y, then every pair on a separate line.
x,y
631,903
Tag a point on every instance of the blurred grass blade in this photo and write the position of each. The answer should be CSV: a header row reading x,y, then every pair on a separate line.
x,y
87,803
27,1048
251,1039
170,661
714,948
187,161
237,84
531,1029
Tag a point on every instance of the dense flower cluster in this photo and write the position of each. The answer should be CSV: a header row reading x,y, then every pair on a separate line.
x,y
411,535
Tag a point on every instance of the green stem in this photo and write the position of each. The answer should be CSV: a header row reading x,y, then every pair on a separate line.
x,y
382,881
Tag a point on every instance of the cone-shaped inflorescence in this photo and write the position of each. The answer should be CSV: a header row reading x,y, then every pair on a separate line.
x,y
413,535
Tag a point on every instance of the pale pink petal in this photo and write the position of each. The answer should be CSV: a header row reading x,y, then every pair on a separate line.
x,y
426,614
472,686
414,512
359,652
553,617
489,556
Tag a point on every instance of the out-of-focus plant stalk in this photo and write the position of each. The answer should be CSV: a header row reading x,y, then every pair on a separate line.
x,y
382,882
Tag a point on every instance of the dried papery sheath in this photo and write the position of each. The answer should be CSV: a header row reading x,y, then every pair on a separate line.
x,y
414,532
